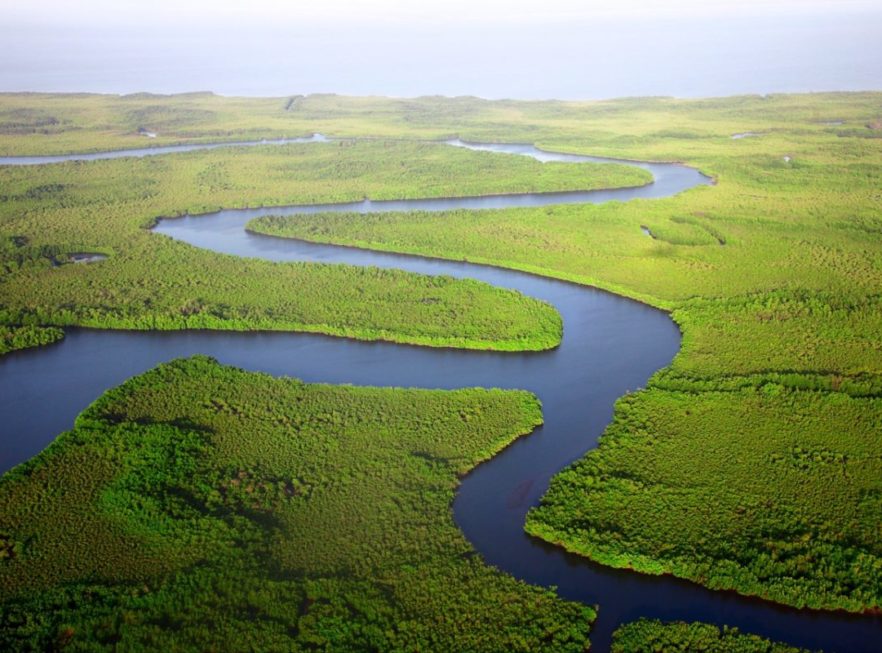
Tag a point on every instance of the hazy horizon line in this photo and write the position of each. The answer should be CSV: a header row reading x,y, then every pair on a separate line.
x,y
445,96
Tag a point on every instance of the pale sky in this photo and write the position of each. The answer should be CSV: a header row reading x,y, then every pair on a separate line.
x,y
95,12
528,49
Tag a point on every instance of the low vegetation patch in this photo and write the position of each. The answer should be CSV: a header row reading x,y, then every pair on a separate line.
x,y
651,636
23,337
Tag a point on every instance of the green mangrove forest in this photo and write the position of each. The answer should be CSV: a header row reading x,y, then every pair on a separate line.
x,y
202,507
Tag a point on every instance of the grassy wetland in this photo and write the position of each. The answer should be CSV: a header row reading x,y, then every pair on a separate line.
x,y
750,464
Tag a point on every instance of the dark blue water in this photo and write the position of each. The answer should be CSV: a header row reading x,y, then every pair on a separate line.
x,y
610,346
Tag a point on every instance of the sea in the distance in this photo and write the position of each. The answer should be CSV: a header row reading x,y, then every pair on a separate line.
x,y
692,56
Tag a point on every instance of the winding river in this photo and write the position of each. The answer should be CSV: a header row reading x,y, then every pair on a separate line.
x,y
610,346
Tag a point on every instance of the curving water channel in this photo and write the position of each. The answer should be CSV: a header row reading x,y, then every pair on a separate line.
x,y
148,151
610,345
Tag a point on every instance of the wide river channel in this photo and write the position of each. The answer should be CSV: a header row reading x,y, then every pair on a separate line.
x,y
610,346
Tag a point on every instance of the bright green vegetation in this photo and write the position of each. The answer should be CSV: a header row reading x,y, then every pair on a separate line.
x,y
151,282
12,338
752,462
755,453
650,636
786,505
200,507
